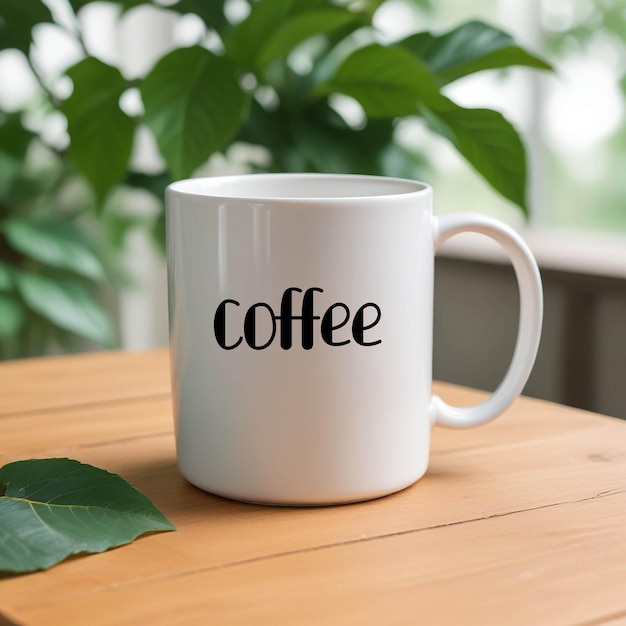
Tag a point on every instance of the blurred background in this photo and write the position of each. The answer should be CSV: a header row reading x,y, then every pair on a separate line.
x,y
573,122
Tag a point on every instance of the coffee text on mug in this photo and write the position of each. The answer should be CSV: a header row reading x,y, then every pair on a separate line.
x,y
330,322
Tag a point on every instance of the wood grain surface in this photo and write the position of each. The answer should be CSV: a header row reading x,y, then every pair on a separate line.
x,y
522,521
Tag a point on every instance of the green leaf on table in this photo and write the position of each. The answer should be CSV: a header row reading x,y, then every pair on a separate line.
x,y
54,242
193,105
66,304
11,315
287,35
101,133
387,82
17,18
489,142
52,508
471,47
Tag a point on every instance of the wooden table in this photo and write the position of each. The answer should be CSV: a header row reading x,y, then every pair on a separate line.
x,y
522,521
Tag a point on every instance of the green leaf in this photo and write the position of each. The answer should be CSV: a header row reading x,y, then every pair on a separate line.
x,y
6,282
330,150
77,5
266,128
250,36
18,186
17,18
125,4
154,183
387,82
211,12
11,316
364,151
272,130
193,105
491,145
55,242
401,162
118,224
67,305
330,145
370,6
253,33
425,5
471,47
158,232
14,138
286,36
101,133
10,175
52,508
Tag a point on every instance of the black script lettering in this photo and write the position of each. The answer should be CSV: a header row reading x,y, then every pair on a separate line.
x,y
219,325
357,325
286,313
249,326
308,317
328,327
286,318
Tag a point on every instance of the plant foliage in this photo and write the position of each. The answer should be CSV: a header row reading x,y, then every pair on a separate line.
x,y
272,81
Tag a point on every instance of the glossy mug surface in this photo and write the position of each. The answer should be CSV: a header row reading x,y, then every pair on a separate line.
x,y
301,333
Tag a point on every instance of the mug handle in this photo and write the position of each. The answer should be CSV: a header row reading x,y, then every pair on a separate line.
x,y
530,320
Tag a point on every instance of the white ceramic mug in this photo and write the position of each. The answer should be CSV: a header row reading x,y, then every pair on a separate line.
x,y
301,333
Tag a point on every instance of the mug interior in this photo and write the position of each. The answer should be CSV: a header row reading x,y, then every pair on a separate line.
x,y
297,186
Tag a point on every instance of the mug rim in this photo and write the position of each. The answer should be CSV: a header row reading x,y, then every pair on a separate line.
x,y
208,187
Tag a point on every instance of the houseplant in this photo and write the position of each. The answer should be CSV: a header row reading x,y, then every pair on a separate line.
x,y
243,83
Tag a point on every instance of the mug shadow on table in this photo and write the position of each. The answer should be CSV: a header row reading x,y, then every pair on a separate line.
x,y
161,480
